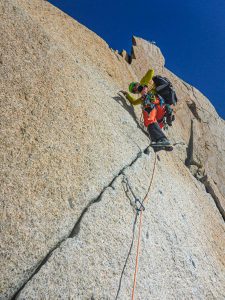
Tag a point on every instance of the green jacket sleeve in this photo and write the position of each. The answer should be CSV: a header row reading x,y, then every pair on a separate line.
x,y
147,78
133,100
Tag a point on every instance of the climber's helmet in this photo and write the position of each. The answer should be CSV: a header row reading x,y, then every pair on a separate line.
x,y
136,87
133,87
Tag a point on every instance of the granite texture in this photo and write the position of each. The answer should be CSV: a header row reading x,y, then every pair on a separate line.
x,y
68,142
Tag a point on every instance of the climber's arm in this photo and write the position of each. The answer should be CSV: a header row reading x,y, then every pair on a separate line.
x,y
135,101
132,100
147,78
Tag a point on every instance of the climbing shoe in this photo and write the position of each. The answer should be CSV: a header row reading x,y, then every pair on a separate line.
x,y
162,142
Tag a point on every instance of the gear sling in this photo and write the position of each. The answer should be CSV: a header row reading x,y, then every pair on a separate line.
x,y
154,110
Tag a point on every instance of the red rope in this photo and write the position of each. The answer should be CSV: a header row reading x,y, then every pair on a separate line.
x,y
139,234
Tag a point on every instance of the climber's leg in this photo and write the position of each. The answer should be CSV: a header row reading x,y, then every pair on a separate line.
x,y
149,115
169,115
155,132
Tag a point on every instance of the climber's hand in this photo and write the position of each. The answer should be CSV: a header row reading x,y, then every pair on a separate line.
x,y
124,93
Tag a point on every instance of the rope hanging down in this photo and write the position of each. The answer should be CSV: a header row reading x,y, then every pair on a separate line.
x,y
129,252
141,209
139,232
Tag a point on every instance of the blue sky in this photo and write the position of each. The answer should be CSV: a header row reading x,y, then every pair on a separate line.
x,y
191,35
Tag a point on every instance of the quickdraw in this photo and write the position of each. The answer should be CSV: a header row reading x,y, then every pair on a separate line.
x,y
139,212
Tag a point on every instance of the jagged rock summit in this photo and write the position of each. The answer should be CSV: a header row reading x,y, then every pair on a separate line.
x,y
74,156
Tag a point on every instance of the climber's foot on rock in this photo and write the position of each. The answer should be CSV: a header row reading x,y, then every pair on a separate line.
x,y
161,143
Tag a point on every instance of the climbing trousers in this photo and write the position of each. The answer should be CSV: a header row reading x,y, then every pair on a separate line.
x,y
155,132
155,114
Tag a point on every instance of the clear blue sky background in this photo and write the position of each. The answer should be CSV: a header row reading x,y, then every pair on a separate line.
x,y
190,34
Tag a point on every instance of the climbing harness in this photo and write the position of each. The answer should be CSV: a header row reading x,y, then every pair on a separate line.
x,y
147,103
139,210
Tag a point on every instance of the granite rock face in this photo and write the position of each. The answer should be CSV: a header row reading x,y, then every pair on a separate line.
x,y
63,136
177,260
74,154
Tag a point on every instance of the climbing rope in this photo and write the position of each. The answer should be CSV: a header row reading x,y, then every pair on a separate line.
x,y
129,252
139,232
138,210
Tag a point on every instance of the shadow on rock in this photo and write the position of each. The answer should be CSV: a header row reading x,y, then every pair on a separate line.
x,y
130,109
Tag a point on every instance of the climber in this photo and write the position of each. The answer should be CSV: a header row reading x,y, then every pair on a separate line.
x,y
153,106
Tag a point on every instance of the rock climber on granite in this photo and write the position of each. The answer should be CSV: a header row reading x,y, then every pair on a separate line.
x,y
153,106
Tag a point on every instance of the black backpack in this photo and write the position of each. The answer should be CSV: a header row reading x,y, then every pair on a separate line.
x,y
165,89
